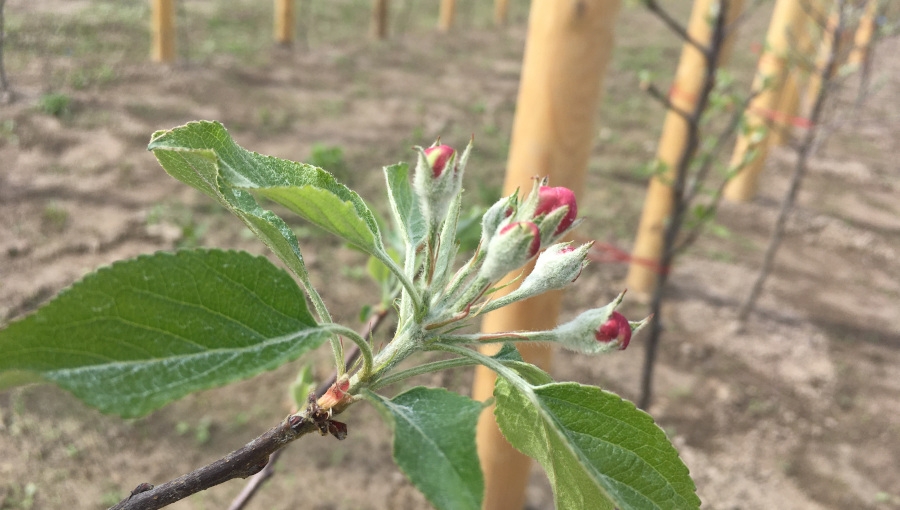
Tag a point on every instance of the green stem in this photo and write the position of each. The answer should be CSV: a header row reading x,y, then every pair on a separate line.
x,y
404,280
502,370
322,311
493,338
422,369
365,349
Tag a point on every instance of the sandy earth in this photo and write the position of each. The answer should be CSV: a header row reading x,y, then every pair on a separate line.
x,y
800,411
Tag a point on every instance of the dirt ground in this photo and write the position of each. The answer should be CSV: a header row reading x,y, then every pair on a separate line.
x,y
801,411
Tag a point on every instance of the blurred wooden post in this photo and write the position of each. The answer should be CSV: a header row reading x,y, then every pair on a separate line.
x,y
686,87
769,79
284,22
163,29
815,79
789,100
863,36
447,15
501,8
380,19
568,47
788,107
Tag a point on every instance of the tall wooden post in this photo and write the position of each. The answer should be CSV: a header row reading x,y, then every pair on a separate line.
x,y
501,9
685,89
815,79
447,15
380,19
163,29
770,72
568,47
802,53
284,22
863,36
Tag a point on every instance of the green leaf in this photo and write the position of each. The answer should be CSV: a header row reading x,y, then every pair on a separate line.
x,y
508,352
404,204
302,386
191,154
134,336
597,449
306,190
434,444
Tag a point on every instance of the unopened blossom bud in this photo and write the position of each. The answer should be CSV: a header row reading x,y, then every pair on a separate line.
x,y
528,229
551,199
494,216
438,157
438,180
596,331
616,328
512,246
558,266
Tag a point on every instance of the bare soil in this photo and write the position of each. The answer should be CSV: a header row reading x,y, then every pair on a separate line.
x,y
799,411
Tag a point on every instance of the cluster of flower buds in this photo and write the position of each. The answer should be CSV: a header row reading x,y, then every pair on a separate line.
x,y
514,231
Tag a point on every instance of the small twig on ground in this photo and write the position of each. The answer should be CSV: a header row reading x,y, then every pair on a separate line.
x,y
251,459
803,155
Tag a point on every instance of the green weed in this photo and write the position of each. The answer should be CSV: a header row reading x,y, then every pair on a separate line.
x,y
329,157
56,104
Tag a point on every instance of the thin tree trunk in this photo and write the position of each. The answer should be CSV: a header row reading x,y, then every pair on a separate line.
x,y
806,148
679,206
4,85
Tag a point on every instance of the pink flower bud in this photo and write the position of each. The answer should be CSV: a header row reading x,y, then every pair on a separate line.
x,y
437,157
570,249
551,199
510,249
528,228
615,328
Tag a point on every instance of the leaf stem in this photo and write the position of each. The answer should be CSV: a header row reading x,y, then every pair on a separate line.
x,y
502,370
365,349
404,280
322,311
426,368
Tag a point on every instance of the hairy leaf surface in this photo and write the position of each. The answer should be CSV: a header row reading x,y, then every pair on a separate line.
x,y
192,154
434,444
305,189
134,336
598,450
404,204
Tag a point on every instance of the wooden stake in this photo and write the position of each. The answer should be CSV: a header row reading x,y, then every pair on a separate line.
x,y
284,22
163,28
863,35
684,92
380,19
788,107
568,48
789,100
501,8
447,15
770,73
